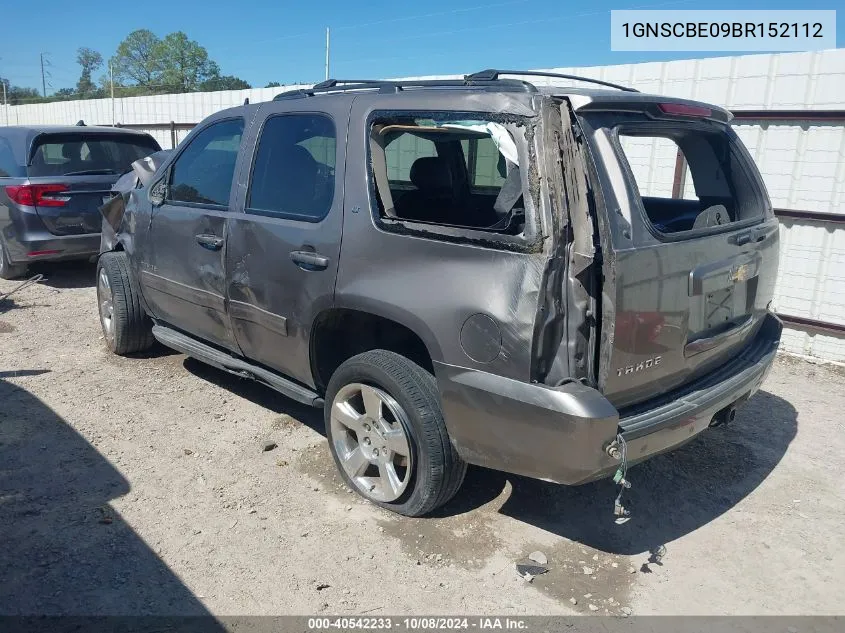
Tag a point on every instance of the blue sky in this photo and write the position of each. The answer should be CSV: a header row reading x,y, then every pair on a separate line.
x,y
267,40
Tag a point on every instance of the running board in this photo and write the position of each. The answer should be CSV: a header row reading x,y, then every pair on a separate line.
x,y
211,356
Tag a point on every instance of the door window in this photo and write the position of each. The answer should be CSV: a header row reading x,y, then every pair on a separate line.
x,y
203,173
293,176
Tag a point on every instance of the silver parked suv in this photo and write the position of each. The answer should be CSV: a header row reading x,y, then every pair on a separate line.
x,y
472,271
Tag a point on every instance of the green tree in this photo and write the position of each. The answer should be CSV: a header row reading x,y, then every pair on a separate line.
x,y
138,59
224,82
65,93
90,60
184,63
273,84
16,95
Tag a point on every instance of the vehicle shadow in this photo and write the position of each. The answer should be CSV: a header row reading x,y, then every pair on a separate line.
x,y
65,550
259,394
672,494
72,274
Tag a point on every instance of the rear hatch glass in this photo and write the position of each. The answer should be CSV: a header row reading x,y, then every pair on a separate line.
x,y
72,154
688,178
80,169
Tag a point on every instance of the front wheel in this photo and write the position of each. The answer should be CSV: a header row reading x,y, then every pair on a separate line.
x,y
387,435
126,327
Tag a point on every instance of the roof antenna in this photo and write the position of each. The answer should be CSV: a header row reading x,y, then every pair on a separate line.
x,y
81,123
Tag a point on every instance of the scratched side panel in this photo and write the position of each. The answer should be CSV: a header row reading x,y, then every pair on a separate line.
x,y
431,285
184,282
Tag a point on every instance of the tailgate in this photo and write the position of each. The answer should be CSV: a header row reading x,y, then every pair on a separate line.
x,y
689,246
74,209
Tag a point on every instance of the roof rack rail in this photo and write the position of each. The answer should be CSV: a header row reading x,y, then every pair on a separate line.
x,y
492,74
388,85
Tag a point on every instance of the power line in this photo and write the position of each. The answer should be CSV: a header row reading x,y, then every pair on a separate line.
x,y
45,74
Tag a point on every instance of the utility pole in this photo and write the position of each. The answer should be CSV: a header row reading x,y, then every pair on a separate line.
x,y
5,101
111,81
43,82
327,52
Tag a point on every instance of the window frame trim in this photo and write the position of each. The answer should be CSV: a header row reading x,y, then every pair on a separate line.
x,y
168,172
287,215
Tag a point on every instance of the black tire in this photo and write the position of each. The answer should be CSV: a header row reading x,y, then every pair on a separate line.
x,y
7,269
131,330
437,469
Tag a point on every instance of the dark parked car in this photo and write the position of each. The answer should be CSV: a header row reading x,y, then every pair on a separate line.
x,y
53,180
461,272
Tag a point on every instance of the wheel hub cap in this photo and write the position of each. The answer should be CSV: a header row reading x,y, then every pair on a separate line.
x,y
369,438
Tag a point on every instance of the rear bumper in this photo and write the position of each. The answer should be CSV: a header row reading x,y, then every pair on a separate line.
x,y
560,434
27,239
35,246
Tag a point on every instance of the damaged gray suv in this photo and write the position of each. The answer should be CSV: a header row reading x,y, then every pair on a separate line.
x,y
549,281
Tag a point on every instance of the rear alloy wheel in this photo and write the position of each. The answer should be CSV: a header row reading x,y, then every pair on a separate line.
x,y
126,327
7,269
387,434
368,430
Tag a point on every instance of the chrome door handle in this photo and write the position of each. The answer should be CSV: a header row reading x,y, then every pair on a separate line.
x,y
307,260
211,242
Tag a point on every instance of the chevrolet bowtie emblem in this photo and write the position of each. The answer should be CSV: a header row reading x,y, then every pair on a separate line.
x,y
740,273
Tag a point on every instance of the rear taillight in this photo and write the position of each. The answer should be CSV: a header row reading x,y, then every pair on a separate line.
x,y
38,195
682,109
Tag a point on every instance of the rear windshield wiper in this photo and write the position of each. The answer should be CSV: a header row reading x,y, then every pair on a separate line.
x,y
93,172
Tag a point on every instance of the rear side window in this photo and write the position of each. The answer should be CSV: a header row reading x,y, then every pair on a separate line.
x,y
293,175
461,173
401,153
486,167
79,153
202,174
690,179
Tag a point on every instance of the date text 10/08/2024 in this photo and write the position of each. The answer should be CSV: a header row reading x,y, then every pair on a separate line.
x,y
416,624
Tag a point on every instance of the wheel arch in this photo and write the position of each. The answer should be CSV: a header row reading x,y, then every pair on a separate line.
x,y
339,333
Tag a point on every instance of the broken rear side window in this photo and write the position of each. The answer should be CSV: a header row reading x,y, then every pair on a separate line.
x,y
446,172
690,179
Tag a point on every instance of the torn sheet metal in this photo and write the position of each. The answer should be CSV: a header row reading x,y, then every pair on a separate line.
x,y
142,174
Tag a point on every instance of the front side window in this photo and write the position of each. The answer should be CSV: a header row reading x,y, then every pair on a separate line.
x,y
203,173
293,175
456,173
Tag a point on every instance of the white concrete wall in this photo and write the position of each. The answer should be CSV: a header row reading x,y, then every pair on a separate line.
x,y
803,164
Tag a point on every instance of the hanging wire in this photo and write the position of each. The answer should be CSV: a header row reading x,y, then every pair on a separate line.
x,y
25,284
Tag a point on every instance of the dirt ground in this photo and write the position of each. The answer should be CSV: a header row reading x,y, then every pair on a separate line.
x,y
140,485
